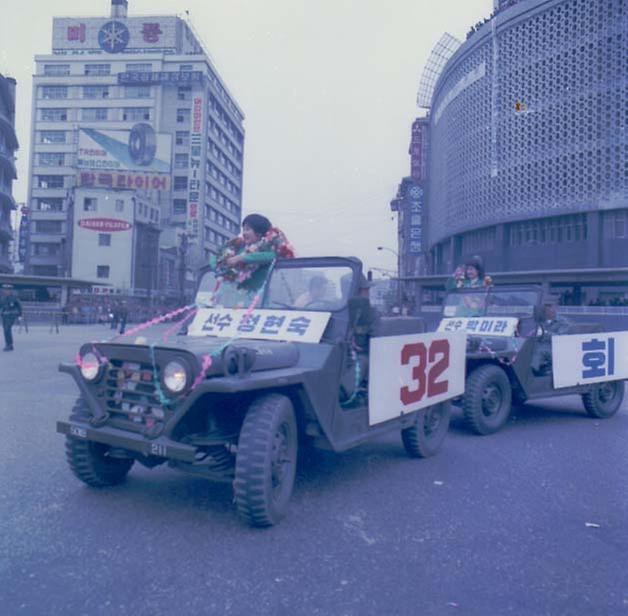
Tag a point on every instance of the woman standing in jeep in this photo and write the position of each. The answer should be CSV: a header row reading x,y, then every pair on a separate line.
x,y
469,275
246,259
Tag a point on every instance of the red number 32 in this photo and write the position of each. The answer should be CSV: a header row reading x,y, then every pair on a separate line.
x,y
426,380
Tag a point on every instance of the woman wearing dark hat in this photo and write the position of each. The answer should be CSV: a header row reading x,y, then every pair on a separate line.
x,y
246,259
470,274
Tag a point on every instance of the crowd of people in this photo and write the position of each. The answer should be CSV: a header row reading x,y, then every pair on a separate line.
x,y
89,310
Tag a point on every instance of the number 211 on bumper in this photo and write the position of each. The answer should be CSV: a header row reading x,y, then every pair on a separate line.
x,y
408,373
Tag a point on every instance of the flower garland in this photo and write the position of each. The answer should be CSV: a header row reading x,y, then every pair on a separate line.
x,y
274,241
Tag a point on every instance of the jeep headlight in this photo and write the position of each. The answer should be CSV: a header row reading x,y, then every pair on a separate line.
x,y
90,367
175,376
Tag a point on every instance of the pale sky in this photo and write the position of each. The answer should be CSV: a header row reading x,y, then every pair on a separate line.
x,y
328,88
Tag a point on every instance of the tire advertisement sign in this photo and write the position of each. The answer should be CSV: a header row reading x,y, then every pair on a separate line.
x,y
408,373
589,358
140,150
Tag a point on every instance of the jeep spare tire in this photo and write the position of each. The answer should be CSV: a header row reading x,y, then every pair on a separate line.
x,y
604,399
266,460
487,400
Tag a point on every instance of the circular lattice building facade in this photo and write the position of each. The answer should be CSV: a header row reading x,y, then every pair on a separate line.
x,y
528,159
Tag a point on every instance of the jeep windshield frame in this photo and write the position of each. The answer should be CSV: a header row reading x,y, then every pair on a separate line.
x,y
288,284
517,302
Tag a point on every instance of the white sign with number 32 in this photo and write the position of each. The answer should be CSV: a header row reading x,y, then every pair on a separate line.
x,y
408,373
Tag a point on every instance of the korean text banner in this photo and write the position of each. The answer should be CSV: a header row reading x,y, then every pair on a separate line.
x,y
141,150
408,373
480,326
287,325
589,358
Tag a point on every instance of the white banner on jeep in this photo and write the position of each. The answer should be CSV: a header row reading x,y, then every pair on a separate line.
x,y
480,326
408,373
288,325
589,358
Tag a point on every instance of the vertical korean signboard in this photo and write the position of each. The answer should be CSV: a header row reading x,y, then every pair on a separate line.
x,y
194,179
414,208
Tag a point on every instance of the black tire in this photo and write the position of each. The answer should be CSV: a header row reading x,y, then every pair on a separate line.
x,y
487,399
142,144
88,460
425,438
266,460
604,399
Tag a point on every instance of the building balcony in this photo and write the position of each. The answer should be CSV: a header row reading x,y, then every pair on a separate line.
x,y
5,265
8,130
7,161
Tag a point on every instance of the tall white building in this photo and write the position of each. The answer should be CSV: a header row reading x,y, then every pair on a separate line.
x,y
132,125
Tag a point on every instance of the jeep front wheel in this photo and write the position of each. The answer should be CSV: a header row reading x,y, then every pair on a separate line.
x,y
426,436
487,399
604,399
266,460
90,461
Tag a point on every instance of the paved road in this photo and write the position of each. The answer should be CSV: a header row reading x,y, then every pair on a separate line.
x,y
490,526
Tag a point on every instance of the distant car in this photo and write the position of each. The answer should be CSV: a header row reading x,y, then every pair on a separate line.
x,y
511,353
235,398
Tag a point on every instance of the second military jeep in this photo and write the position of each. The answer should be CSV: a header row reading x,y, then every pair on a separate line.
x,y
250,383
510,354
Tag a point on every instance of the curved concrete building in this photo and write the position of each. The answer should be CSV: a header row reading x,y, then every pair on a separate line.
x,y
528,158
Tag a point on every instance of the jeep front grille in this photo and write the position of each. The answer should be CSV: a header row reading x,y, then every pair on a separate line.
x,y
131,397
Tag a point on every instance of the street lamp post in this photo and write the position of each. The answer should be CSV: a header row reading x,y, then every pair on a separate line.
x,y
399,295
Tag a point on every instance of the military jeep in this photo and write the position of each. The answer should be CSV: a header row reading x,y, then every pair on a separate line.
x,y
249,383
510,356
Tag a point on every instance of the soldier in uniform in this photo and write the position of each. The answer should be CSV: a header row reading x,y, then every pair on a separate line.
x,y
10,310
551,325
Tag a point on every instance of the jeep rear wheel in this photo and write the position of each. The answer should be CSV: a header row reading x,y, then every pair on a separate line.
x,y
487,399
604,399
90,461
426,436
266,460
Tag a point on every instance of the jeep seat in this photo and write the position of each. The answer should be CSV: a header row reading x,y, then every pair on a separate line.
x,y
398,326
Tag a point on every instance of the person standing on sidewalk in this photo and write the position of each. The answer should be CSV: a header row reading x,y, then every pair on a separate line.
x,y
10,310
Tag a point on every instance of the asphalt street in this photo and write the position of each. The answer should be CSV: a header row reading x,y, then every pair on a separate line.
x,y
532,520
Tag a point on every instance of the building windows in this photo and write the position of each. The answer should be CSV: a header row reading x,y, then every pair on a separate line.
x,y
180,182
56,70
180,161
183,116
50,181
182,138
136,91
184,68
54,115
96,92
135,114
139,67
48,226
90,204
94,114
615,224
119,205
51,159
553,230
104,239
50,204
102,271
52,136
46,249
53,92
98,69
179,207
184,93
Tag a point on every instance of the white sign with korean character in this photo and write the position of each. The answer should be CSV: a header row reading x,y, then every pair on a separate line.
x,y
263,324
480,326
589,358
